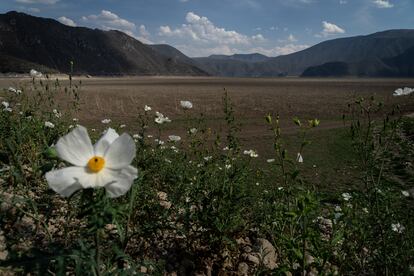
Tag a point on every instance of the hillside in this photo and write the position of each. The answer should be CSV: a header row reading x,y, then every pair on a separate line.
x,y
50,44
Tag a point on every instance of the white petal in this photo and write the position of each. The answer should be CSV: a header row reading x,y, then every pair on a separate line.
x,y
75,147
68,180
102,145
119,181
120,153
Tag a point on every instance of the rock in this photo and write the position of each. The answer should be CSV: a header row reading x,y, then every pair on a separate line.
x,y
243,269
252,258
247,249
267,253
143,269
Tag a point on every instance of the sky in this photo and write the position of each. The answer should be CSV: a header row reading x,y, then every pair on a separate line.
x,y
204,27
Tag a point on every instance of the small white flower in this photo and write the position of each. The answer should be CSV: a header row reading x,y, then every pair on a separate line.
x,y
57,113
257,183
208,158
167,160
270,160
280,188
150,136
403,91
5,104
186,104
70,126
226,148
49,124
365,210
137,136
338,208
106,164
346,196
174,138
159,142
397,227
251,153
106,121
193,130
93,130
299,158
160,118
228,166
35,74
14,90
75,119
122,126
405,193
147,108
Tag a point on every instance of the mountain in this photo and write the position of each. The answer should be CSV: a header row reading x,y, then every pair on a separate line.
x,y
366,55
45,44
255,57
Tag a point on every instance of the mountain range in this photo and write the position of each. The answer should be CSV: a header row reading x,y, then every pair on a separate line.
x,y
45,44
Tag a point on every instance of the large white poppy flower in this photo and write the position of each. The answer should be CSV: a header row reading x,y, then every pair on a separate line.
x,y
106,164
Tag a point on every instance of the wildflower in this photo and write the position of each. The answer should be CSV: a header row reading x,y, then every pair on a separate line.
x,y
49,124
70,126
228,166
150,136
14,90
193,130
159,142
57,113
346,196
226,148
270,160
338,208
137,136
122,126
280,188
365,210
208,158
174,138
299,158
397,227
75,119
403,91
186,104
35,74
6,107
106,121
251,153
405,193
147,108
106,164
160,118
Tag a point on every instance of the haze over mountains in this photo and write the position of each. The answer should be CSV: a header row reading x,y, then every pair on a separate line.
x,y
47,45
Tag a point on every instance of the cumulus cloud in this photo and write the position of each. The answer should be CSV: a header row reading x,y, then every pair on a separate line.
x,y
198,36
108,20
330,29
383,4
46,2
67,21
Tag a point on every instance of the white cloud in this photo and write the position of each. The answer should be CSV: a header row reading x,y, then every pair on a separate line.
x,y
183,1
330,29
279,50
30,9
144,35
46,2
343,2
383,4
108,20
67,21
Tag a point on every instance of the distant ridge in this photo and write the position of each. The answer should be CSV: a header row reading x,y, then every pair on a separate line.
x,y
27,41
45,44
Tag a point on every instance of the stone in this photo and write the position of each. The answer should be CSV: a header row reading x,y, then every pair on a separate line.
x,y
268,253
243,269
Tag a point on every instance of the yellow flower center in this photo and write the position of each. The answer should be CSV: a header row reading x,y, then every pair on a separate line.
x,y
96,163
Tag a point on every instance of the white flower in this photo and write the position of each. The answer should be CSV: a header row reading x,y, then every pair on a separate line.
x,y
251,153
193,130
403,91
346,196
70,126
35,74
338,208
280,188
160,118
147,108
106,164
137,136
106,121
159,142
75,119
226,148
228,166
186,104
299,158
405,193
397,227
57,113
270,160
49,124
14,90
5,104
365,210
122,126
174,138
208,158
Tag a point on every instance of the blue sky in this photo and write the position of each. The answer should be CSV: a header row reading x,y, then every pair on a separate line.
x,y
204,27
